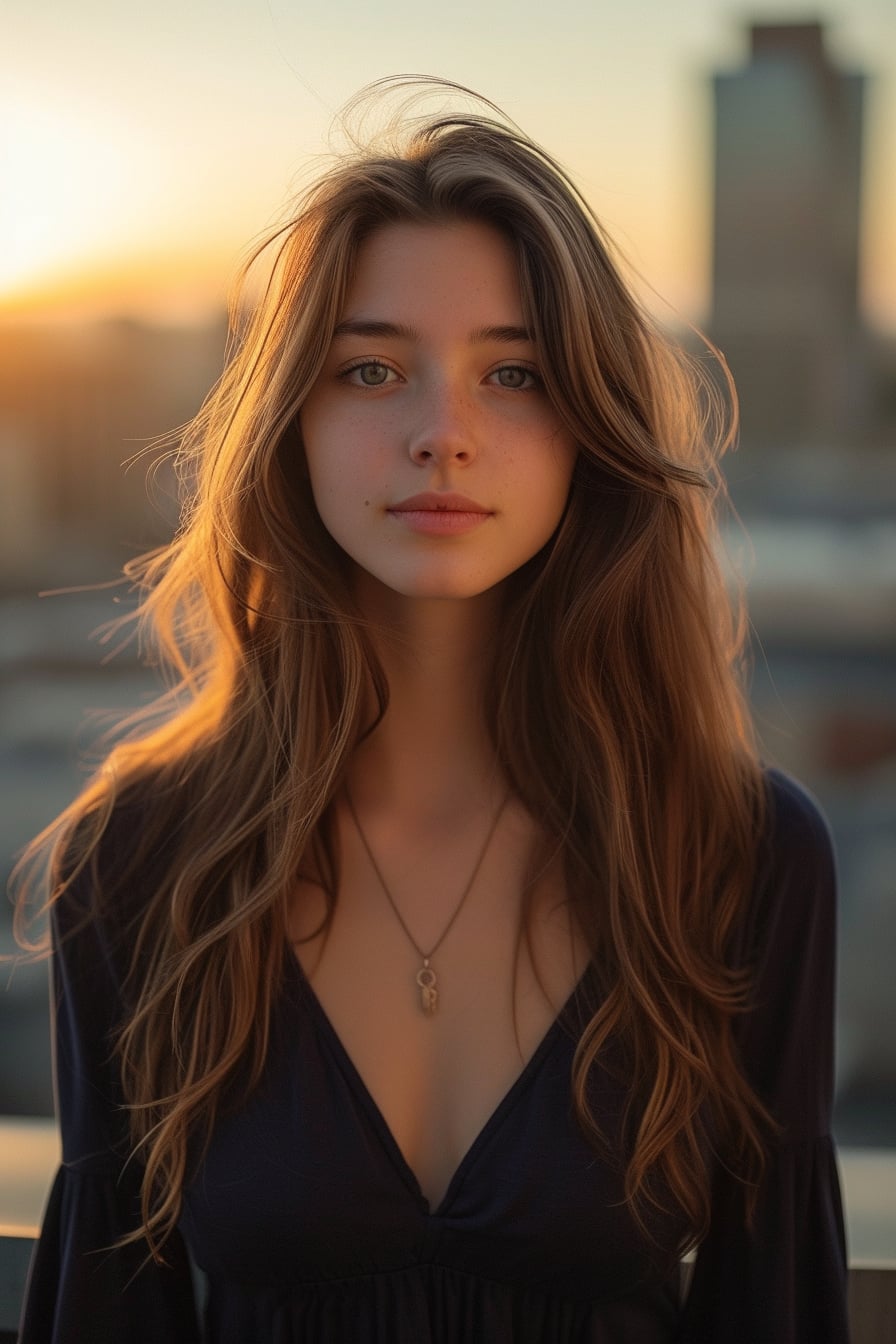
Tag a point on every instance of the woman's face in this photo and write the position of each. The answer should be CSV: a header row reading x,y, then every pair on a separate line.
x,y
436,460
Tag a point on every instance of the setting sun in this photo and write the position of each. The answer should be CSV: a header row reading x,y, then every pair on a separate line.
x,y
142,149
64,180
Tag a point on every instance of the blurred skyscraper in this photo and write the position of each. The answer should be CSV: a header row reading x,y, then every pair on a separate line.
x,y
788,157
76,404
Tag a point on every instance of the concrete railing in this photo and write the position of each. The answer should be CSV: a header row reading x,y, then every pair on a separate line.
x,y
29,1155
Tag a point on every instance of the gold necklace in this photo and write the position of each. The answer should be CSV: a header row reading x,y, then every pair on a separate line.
x,y
426,976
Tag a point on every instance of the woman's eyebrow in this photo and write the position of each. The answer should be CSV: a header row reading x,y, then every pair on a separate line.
x,y
508,335
363,326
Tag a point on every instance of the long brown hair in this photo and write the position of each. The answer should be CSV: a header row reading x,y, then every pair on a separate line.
x,y
615,706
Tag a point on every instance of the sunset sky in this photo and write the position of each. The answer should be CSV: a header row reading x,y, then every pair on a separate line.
x,y
143,147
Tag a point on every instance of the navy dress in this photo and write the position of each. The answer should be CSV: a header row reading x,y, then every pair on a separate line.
x,y
310,1228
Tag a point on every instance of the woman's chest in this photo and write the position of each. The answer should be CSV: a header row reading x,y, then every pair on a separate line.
x,y
437,1041
305,1181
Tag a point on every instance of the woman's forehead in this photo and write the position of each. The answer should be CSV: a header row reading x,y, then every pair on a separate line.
x,y
409,273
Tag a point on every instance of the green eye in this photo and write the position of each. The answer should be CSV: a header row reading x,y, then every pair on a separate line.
x,y
515,377
372,375
368,373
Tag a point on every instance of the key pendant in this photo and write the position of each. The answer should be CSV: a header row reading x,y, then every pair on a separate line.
x,y
429,995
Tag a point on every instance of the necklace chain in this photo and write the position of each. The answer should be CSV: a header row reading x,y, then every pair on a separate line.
x,y
426,976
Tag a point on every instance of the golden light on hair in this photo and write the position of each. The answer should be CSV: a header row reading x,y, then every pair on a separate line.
x,y
639,761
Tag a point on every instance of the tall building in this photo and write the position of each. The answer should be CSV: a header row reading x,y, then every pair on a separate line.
x,y
788,151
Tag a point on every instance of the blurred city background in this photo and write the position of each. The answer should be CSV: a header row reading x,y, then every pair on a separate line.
x,y
745,166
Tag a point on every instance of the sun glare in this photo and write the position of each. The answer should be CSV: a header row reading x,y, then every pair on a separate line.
x,y
61,178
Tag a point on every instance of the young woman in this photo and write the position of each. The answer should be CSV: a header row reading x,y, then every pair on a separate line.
x,y
441,965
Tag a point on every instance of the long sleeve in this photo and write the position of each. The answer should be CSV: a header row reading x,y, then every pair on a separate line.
x,y
83,1289
784,1281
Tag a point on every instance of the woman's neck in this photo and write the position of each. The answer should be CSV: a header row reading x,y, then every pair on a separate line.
x,y
431,754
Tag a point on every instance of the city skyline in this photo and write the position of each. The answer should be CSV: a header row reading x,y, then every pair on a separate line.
x,y
789,136
145,151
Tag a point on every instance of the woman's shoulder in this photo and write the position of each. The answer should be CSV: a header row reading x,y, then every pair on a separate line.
x,y
796,819
798,844
796,882
111,860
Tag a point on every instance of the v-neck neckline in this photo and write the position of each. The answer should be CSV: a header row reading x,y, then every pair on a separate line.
x,y
504,1105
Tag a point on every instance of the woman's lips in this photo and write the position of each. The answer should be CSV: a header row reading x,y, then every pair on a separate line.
x,y
439,514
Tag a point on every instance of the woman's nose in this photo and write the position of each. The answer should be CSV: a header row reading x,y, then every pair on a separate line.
x,y
445,430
